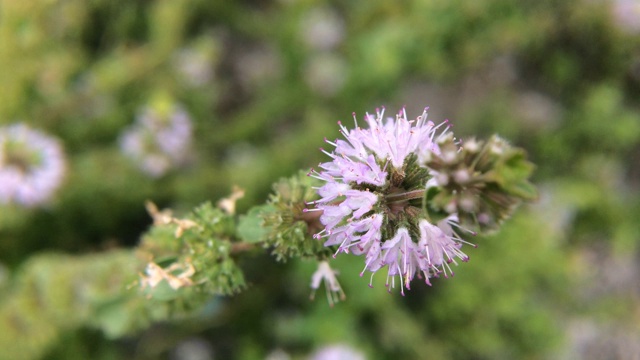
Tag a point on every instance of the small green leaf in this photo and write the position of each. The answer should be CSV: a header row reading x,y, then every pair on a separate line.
x,y
161,292
524,190
114,317
251,226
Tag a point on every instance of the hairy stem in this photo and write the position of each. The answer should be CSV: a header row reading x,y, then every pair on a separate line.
x,y
409,195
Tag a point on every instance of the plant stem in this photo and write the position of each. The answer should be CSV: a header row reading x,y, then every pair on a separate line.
x,y
409,195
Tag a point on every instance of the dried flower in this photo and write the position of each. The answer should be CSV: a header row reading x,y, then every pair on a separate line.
x,y
372,201
176,275
228,204
165,217
32,166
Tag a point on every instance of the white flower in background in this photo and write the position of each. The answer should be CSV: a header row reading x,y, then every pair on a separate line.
x,y
32,166
196,63
627,14
258,65
193,349
322,29
159,140
194,66
278,354
326,73
337,352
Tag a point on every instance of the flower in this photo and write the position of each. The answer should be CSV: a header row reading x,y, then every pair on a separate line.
x,y
177,275
32,166
322,29
159,140
337,352
372,199
196,63
327,275
626,14
325,73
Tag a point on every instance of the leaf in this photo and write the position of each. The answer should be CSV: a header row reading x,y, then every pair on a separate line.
x,y
524,190
161,292
251,226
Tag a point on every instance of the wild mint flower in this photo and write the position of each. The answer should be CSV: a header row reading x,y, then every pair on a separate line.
x,y
327,275
372,199
32,166
159,140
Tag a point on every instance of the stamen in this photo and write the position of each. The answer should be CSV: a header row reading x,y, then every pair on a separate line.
x,y
330,142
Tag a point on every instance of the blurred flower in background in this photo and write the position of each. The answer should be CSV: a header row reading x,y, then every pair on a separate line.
x,y
196,63
627,14
193,349
337,352
325,74
32,166
160,139
322,28
257,65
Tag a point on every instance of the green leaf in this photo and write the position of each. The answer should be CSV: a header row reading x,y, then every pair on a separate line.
x,y
114,318
251,226
161,292
524,190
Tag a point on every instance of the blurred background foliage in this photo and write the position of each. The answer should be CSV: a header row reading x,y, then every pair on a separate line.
x,y
263,82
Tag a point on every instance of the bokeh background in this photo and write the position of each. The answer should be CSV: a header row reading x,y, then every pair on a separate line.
x,y
245,92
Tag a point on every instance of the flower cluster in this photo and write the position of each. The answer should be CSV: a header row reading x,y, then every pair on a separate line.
x,y
32,166
159,140
373,201
481,182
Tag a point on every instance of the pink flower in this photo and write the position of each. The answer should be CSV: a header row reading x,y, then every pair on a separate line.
x,y
327,275
32,166
372,199
159,140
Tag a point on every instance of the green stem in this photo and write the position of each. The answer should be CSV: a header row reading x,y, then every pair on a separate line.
x,y
410,195
239,247
425,210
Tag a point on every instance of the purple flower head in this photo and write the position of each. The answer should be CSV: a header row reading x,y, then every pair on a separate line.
x,y
372,201
159,140
32,166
